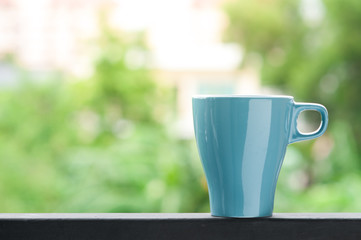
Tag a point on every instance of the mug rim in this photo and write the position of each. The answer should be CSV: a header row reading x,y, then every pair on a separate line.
x,y
207,96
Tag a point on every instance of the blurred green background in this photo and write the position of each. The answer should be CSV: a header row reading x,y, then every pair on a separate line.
x,y
104,142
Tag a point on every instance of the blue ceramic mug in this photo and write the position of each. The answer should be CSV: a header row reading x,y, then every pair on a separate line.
x,y
242,141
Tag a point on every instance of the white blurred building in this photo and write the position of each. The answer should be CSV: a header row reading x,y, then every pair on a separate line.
x,y
183,35
48,34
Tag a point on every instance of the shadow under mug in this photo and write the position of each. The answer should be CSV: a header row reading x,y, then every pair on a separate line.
x,y
242,142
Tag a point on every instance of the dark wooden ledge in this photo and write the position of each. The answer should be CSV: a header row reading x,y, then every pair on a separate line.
x,y
109,226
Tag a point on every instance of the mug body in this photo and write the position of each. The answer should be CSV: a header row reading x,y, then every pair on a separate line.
x,y
242,141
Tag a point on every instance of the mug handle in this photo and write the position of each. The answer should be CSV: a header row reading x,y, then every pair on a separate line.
x,y
296,135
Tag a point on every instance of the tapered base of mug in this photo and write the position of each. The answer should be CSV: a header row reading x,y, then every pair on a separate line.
x,y
241,216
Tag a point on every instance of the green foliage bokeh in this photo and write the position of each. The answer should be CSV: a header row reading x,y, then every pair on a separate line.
x,y
103,144
96,145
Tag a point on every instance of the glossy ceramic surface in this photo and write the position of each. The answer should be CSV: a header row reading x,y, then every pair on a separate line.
x,y
242,141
